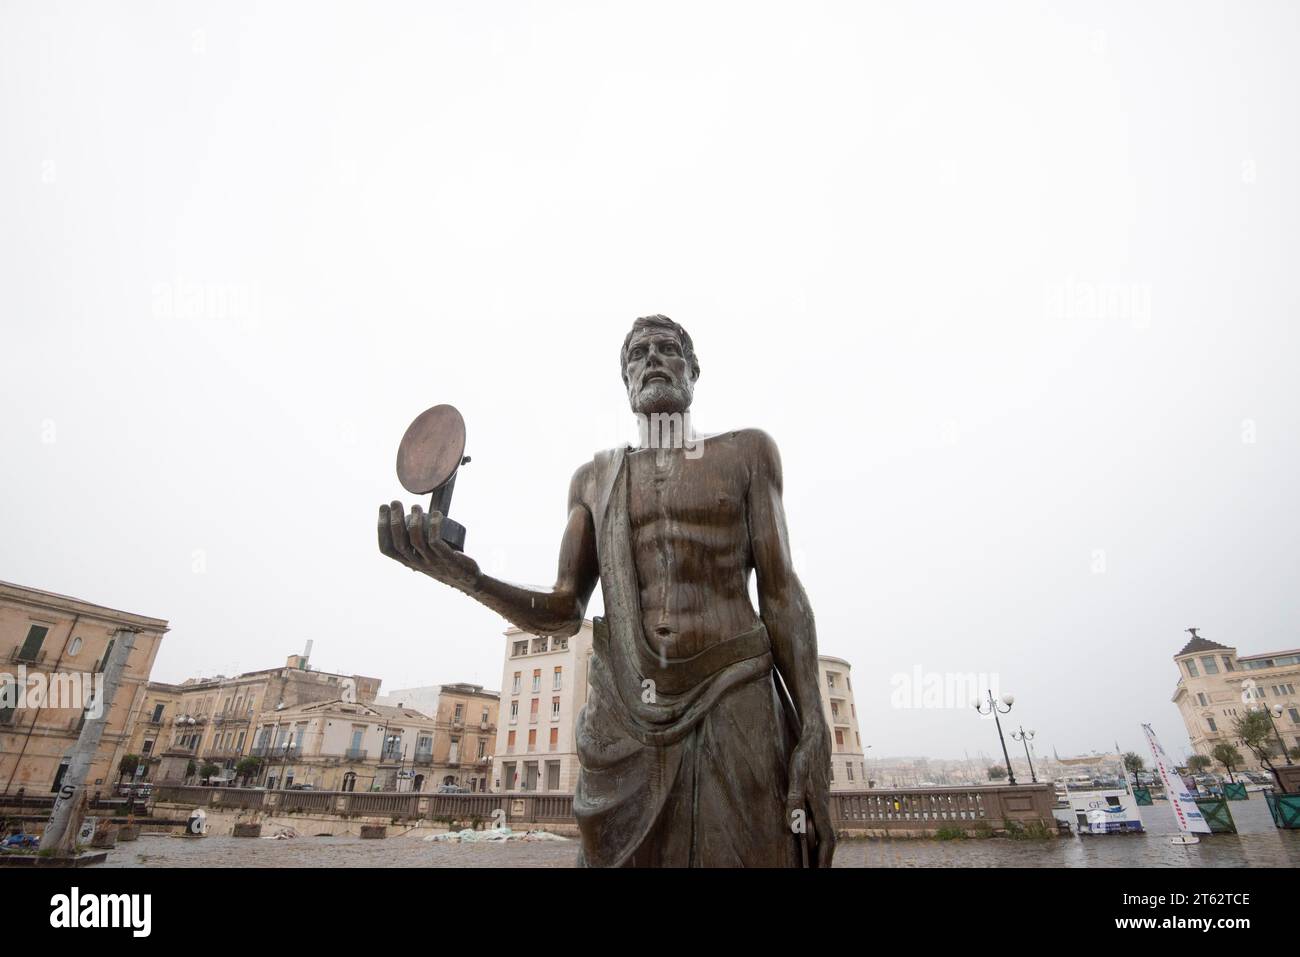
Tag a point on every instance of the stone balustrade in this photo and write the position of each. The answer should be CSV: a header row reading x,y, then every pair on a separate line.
x,y
896,811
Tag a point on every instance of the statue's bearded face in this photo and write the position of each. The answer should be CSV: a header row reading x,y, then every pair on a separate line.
x,y
657,374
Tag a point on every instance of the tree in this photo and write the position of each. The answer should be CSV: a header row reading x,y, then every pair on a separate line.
x,y
248,768
997,772
1134,764
1255,729
208,770
127,767
189,769
1228,756
1197,763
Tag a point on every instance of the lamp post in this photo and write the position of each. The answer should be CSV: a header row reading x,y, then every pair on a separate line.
x,y
1025,737
284,764
994,710
1276,712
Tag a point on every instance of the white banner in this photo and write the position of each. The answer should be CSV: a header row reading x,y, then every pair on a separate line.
x,y
1190,819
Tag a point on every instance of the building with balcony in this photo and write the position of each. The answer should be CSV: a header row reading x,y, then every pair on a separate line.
x,y
465,730
346,746
848,764
543,687
1216,685
212,719
50,640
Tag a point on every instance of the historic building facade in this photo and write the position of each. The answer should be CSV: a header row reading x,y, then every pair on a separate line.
x,y
52,650
1216,684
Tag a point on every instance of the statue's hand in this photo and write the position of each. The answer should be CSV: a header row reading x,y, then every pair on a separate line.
x,y
415,541
810,772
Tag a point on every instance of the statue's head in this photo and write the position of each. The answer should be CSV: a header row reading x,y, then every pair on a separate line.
x,y
659,366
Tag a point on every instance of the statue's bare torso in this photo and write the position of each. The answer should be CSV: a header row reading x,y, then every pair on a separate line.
x,y
690,543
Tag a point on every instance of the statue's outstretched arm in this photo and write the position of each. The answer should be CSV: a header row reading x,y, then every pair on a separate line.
x,y
414,541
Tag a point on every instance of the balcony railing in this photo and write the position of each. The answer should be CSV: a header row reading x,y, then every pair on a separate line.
x,y
34,658
355,754
423,758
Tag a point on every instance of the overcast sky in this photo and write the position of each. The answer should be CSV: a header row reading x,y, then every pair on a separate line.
x,y
1013,286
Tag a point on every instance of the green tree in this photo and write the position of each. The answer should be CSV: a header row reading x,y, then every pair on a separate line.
x,y
1228,756
248,768
997,772
208,770
127,767
1255,729
1134,764
1197,763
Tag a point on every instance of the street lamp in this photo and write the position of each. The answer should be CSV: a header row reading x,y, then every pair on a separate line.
x,y
1276,712
1026,736
994,710
284,765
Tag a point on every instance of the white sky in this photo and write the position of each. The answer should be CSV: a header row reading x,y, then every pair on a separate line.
x,y
884,225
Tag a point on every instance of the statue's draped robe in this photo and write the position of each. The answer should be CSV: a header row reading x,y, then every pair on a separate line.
x,y
684,762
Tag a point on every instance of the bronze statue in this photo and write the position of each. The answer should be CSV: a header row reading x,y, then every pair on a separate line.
x,y
692,751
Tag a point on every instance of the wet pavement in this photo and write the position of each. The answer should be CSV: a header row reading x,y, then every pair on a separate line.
x,y
1259,844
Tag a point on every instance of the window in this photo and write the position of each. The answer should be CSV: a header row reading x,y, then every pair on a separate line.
x,y
460,713
552,775
148,747
8,698
1211,666
31,648
1227,664
157,714
1295,715
482,747
532,739
1200,696
848,768
514,688
484,720
555,739
532,711
559,644
557,680
537,680
839,738
539,646
74,646
521,648
514,711
1191,669
555,709
830,679
510,743
835,709
1213,726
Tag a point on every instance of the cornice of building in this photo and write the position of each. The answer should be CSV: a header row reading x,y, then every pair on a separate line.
x,y
78,606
